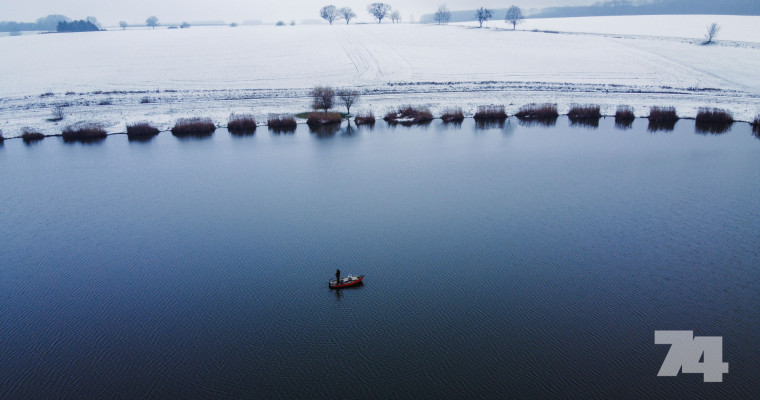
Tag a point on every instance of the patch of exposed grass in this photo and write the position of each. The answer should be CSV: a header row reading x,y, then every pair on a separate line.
x,y
367,118
197,127
30,136
241,124
452,115
146,100
323,118
713,120
282,123
141,130
662,118
85,132
490,113
544,111
409,116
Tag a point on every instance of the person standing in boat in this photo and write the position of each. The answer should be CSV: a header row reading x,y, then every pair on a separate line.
x,y
337,277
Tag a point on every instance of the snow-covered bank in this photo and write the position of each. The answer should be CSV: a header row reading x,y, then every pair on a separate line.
x,y
214,71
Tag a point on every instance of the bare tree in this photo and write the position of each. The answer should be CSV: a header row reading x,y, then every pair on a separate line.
x,y
322,97
93,21
329,13
712,32
379,11
443,15
396,16
123,24
482,15
348,97
514,16
152,22
347,13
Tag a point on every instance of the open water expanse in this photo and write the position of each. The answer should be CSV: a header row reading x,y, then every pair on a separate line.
x,y
505,262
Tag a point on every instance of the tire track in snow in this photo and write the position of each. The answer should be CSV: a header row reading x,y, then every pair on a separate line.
x,y
375,61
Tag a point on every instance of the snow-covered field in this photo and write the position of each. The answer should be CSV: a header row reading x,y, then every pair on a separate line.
x,y
214,71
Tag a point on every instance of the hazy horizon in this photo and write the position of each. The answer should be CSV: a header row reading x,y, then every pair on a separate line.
x,y
170,11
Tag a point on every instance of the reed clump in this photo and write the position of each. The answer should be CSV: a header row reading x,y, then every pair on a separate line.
x,y
367,118
662,118
756,126
197,126
85,132
241,124
31,136
282,123
538,111
713,120
323,118
141,130
452,115
586,111
409,115
624,117
490,113
587,115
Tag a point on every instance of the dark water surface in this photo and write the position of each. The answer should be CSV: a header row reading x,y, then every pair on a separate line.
x,y
519,261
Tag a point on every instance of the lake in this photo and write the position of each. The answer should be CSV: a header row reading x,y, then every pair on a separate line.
x,y
514,261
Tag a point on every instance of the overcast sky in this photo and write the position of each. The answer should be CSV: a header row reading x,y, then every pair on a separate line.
x,y
109,12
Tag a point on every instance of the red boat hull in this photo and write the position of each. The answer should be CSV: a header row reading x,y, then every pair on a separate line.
x,y
332,284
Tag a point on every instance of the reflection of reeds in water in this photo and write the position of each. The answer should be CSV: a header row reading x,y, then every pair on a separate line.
x,y
546,122
489,123
713,120
327,130
662,119
624,117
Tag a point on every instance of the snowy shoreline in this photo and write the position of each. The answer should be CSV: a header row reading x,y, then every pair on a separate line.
x,y
115,78
166,107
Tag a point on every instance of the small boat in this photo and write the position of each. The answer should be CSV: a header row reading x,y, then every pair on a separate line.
x,y
347,281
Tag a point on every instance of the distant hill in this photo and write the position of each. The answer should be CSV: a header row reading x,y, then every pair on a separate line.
x,y
656,7
624,7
